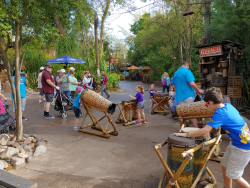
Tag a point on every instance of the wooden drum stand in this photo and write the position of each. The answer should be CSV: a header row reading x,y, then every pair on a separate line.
x,y
160,99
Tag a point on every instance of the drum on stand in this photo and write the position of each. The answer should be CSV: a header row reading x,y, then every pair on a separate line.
x,y
134,111
200,155
126,109
158,97
178,145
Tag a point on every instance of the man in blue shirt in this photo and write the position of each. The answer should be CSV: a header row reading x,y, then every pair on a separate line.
x,y
184,86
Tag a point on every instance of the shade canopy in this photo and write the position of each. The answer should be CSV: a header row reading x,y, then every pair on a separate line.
x,y
66,60
133,68
147,68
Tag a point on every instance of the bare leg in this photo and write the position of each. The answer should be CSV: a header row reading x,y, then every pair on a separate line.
x,y
143,115
40,98
139,114
241,183
227,180
152,105
46,106
194,121
76,122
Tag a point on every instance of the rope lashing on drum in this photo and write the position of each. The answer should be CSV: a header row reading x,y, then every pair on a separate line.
x,y
159,145
210,178
170,183
204,144
188,155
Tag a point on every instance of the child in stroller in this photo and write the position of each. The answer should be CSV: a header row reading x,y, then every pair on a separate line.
x,y
62,104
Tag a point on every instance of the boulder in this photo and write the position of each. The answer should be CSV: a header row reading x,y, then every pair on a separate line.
x,y
34,141
30,159
3,147
30,153
27,148
10,143
2,150
24,145
3,141
1,165
15,160
32,145
16,144
22,150
18,165
25,135
8,153
5,164
28,140
33,136
19,147
41,144
5,136
40,150
23,155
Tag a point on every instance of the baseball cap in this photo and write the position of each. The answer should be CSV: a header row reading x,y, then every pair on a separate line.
x,y
79,88
41,68
62,71
48,65
72,68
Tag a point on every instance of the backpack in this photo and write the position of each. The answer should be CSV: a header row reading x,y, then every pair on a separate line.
x,y
164,81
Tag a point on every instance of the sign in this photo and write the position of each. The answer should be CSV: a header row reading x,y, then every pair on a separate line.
x,y
211,51
113,60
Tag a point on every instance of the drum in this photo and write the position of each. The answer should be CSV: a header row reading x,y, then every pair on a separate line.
x,y
134,111
126,109
96,100
200,155
193,109
178,145
158,97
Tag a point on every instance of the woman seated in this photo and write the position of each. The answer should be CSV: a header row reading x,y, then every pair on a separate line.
x,y
86,80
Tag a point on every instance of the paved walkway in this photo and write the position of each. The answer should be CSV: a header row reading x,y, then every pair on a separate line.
x,y
76,159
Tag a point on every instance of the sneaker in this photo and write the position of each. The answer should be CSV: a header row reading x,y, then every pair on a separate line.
x,y
108,97
149,111
44,100
49,116
144,122
138,123
76,128
40,102
24,119
81,114
52,103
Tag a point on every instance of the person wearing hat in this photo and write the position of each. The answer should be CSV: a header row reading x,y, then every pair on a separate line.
x,y
63,82
73,83
48,89
41,94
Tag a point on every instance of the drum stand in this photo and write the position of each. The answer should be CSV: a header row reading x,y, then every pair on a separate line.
x,y
164,110
188,156
121,117
96,123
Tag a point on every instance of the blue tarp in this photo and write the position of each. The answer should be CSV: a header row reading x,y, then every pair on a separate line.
x,y
66,59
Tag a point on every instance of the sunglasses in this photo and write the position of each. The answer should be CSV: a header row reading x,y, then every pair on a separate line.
x,y
206,104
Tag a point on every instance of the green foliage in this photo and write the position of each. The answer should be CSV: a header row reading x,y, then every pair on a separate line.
x,y
113,82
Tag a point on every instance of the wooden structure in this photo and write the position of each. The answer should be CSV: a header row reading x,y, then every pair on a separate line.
x,y
91,99
172,177
161,103
218,65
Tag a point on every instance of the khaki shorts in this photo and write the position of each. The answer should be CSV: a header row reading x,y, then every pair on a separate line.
x,y
187,101
235,160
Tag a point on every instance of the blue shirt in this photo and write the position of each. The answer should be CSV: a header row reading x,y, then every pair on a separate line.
x,y
234,125
139,97
181,80
175,102
76,101
22,87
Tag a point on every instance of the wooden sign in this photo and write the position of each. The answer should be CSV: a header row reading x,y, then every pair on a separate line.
x,y
113,60
211,51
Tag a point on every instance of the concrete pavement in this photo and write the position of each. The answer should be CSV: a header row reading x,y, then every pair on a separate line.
x,y
76,159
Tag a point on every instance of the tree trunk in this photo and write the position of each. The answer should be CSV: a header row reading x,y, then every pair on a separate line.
x,y
17,100
59,26
102,27
207,22
180,46
96,46
86,47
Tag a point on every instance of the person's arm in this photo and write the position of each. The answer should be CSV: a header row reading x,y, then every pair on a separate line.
x,y
68,80
71,81
194,86
58,80
26,80
133,98
105,78
2,96
207,129
52,84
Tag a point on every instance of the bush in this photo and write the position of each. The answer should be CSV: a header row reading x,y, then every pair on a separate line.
x,y
113,82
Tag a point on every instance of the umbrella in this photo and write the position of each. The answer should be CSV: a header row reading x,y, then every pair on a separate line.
x,y
147,68
66,60
133,68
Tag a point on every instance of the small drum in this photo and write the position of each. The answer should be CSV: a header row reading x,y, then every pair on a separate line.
x,y
200,155
178,145
158,97
193,109
126,109
134,111
96,100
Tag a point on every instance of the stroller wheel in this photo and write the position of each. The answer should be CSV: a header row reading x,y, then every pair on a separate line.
x,y
60,113
4,131
12,127
64,115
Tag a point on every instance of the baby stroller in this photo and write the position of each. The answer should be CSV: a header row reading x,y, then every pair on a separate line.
x,y
6,119
62,104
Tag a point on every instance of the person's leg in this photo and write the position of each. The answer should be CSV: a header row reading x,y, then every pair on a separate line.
x,y
106,92
167,88
241,183
163,89
227,180
139,114
103,87
23,103
72,93
143,114
151,105
77,114
49,99
195,122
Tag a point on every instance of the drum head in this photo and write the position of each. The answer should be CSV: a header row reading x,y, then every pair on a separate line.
x,y
128,101
192,129
160,94
181,141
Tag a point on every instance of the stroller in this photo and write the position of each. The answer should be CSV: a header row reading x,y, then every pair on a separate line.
x,y
6,119
62,104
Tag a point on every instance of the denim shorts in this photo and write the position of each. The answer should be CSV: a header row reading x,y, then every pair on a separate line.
x,y
41,91
23,102
49,97
77,112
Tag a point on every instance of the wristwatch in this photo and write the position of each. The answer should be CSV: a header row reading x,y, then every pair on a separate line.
x,y
188,135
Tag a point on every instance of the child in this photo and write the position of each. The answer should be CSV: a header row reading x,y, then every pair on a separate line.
x,y
152,91
76,106
140,104
172,104
237,154
172,91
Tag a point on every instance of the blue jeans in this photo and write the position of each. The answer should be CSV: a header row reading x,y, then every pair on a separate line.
x,y
103,89
66,93
164,87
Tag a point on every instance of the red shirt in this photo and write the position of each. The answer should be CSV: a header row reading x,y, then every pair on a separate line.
x,y
105,79
45,86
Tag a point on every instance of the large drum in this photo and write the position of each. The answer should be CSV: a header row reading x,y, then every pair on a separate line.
x,y
193,109
158,97
126,109
200,155
96,100
178,145
134,111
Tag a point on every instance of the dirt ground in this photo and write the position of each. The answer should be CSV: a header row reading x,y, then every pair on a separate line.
x,y
76,159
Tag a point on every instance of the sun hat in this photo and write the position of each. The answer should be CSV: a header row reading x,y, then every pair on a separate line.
x,y
41,68
72,68
79,88
48,65
62,71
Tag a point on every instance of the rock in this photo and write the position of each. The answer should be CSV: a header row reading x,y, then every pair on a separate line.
x,y
34,140
30,153
27,148
40,144
2,150
23,155
24,145
10,143
19,165
1,165
23,139
5,136
22,150
40,150
5,164
20,142
19,147
28,140
3,147
25,135
32,145
13,139
30,159
33,136
40,140
3,142
8,153
16,144
15,160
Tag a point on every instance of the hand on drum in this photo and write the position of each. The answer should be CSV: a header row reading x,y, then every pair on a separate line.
x,y
201,91
181,134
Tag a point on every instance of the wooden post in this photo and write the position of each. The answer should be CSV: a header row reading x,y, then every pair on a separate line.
x,y
96,44
207,23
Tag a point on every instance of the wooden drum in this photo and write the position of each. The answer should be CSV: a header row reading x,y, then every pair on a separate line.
x,y
96,100
134,111
178,145
158,97
126,109
193,109
200,155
